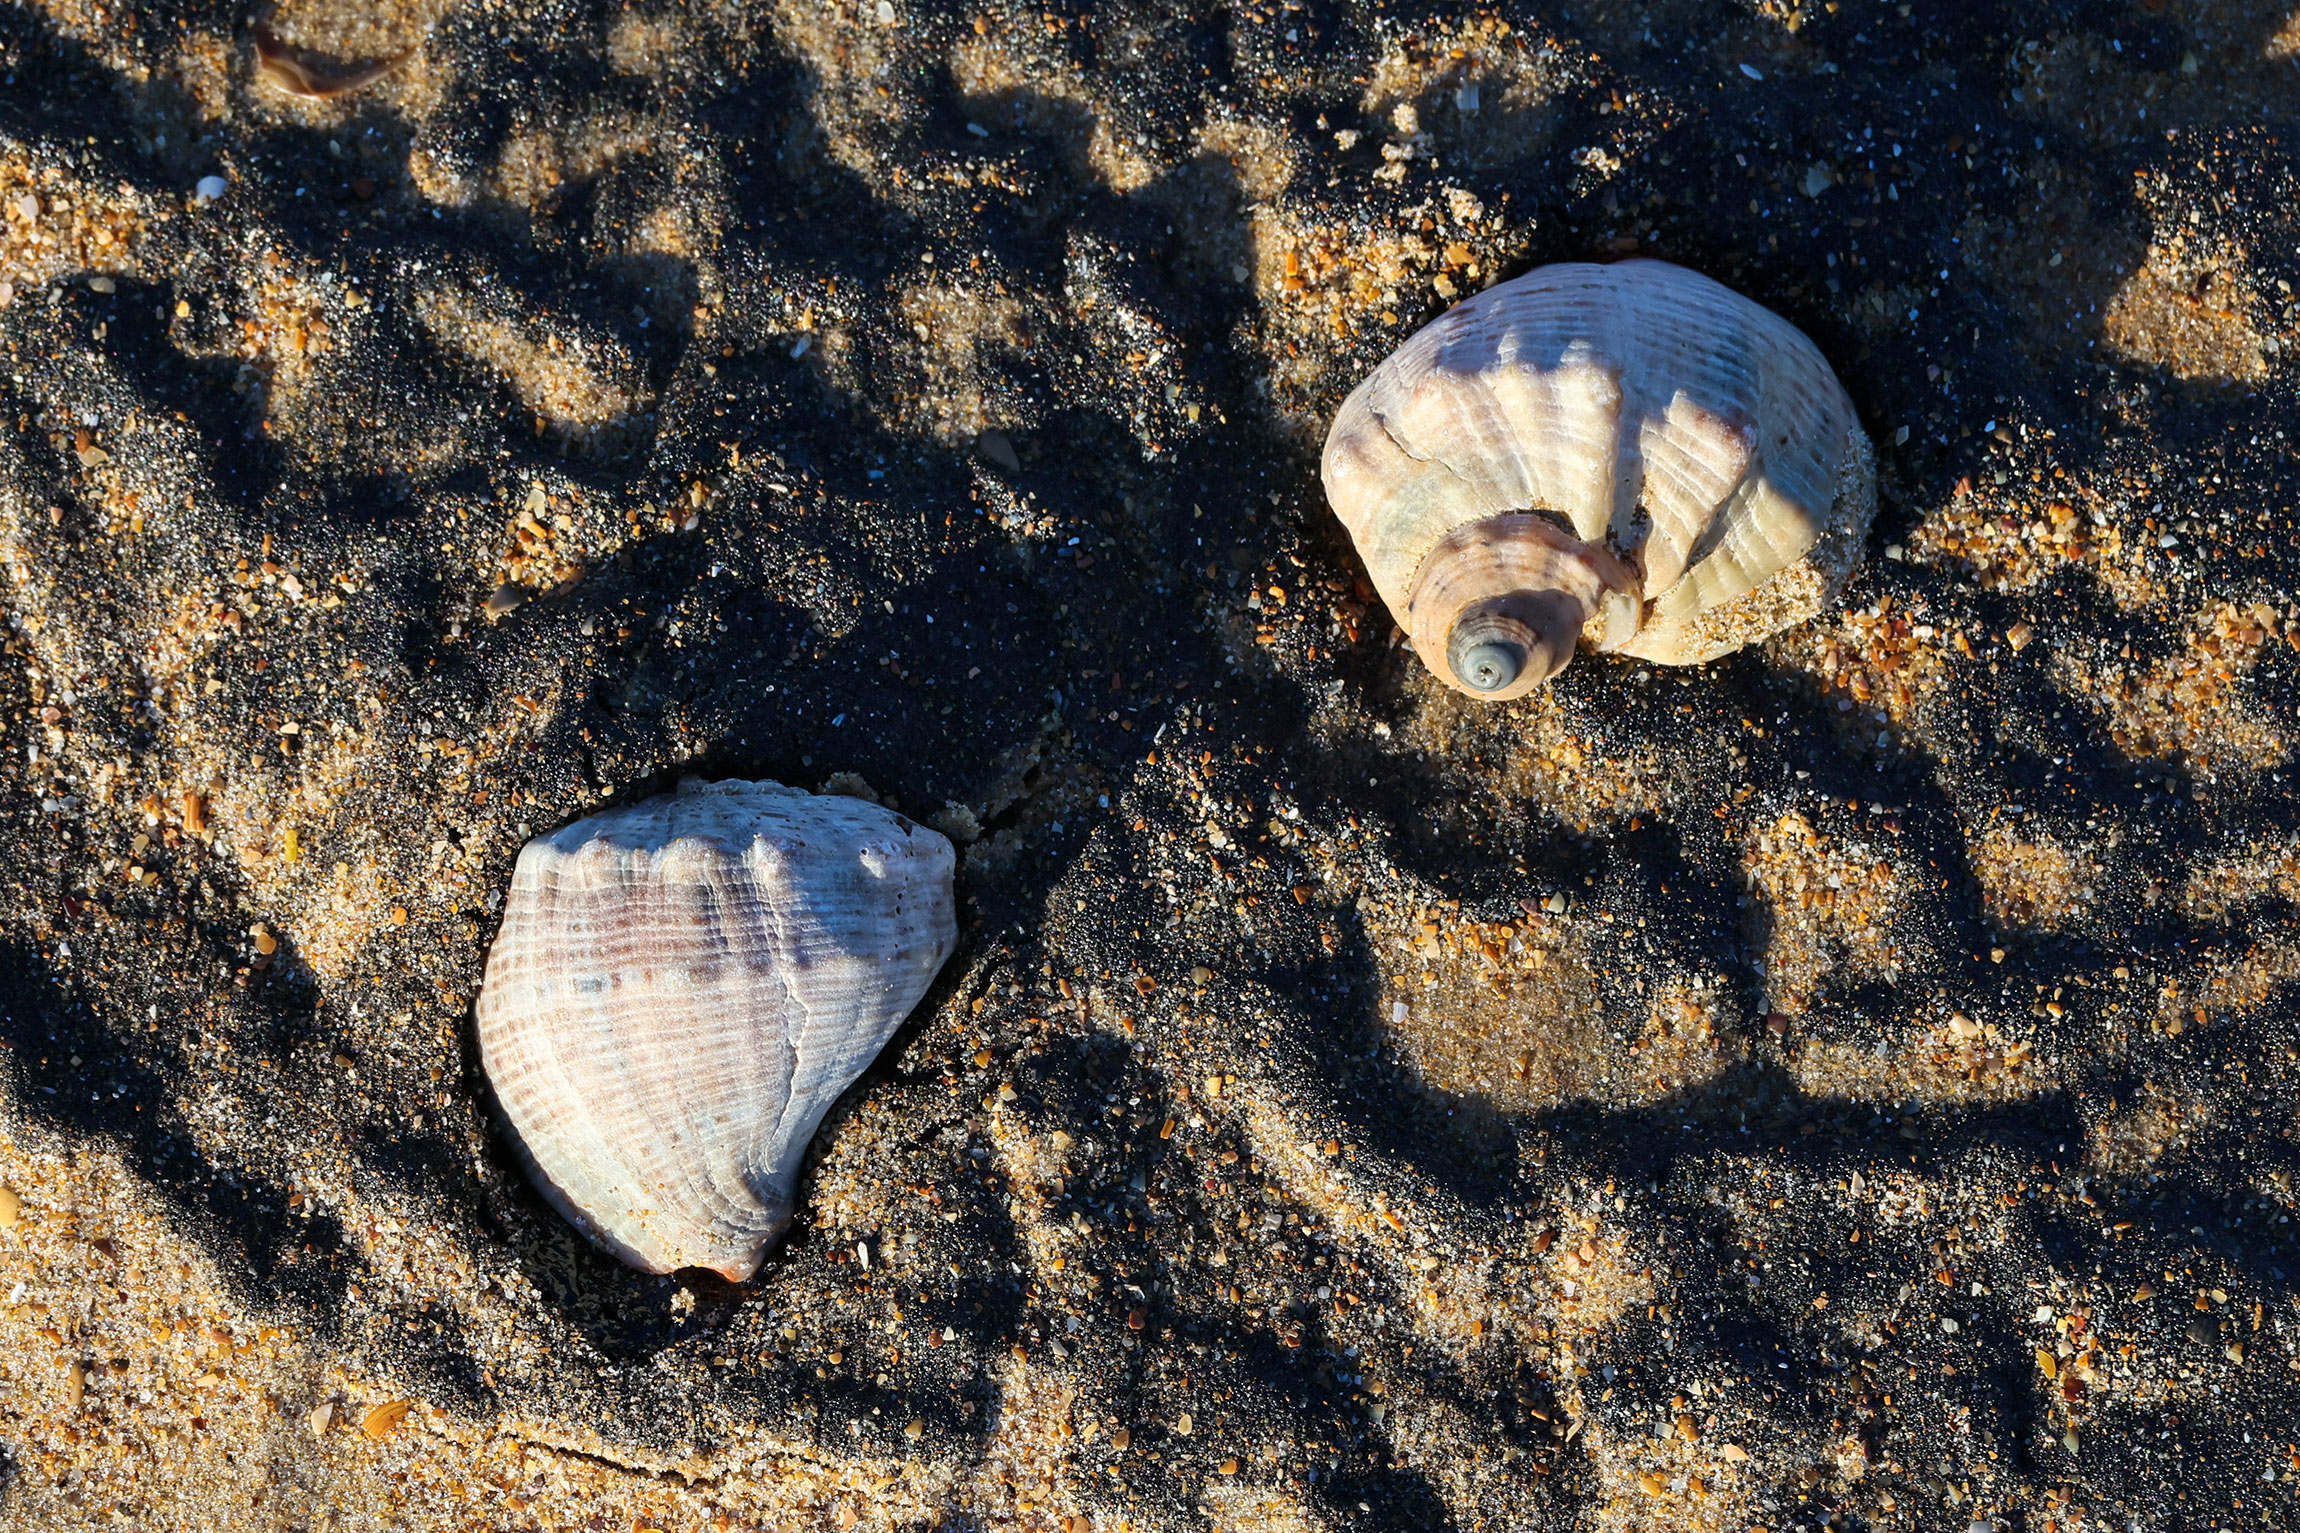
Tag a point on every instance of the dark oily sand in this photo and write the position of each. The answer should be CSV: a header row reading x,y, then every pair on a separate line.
x,y
1849,1085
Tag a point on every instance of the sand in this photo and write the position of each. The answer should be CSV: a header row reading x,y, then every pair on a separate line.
x,y
1846,1085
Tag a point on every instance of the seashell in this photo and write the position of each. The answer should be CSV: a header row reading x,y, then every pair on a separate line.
x,y
1630,456
680,990
300,72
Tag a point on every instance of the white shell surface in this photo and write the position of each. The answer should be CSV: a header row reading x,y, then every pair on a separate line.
x,y
682,987
1666,418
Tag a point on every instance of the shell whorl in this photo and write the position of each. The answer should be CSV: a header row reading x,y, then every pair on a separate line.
x,y
1697,470
682,987
1499,604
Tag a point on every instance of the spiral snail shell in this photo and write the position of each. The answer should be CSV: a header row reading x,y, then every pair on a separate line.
x,y
680,990
1630,456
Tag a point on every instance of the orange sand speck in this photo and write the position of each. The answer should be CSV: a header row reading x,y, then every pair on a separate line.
x,y
2031,882
1832,904
2189,312
2192,706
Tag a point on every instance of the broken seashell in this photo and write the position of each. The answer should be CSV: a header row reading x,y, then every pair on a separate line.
x,y
679,991
301,72
1631,457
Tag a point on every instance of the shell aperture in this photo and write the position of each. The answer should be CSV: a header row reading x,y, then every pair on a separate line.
x,y
1631,456
682,987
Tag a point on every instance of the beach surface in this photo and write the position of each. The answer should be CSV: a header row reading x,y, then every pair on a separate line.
x,y
1850,1085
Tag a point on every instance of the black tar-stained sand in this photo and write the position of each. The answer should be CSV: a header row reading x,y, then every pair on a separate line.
x,y
1849,1085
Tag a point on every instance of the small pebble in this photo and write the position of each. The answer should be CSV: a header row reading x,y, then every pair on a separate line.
x,y
915,1431
11,1208
321,1418
210,188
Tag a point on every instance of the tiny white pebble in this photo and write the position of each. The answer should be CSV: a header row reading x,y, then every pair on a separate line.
x,y
211,188
1751,71
29,206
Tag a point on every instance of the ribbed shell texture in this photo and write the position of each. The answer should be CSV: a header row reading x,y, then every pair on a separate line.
x,y
682,987
1664,416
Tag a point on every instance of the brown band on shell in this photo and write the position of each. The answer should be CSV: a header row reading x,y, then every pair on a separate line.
x,y
1499,604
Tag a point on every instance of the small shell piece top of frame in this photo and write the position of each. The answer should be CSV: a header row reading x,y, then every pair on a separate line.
x,y
1630,457
682,987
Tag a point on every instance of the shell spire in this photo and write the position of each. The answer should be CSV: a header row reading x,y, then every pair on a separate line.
x,y
682,987
1630,457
